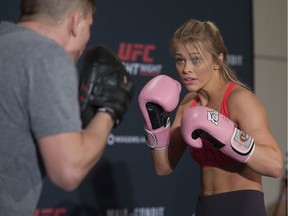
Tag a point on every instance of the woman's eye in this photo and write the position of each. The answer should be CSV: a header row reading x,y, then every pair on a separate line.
x,y
180,61
195,59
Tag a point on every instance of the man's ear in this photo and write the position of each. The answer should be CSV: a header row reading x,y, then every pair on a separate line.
x,y
76,18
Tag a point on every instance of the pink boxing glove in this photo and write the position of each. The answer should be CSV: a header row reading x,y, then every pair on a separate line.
x,y
158,98
202,122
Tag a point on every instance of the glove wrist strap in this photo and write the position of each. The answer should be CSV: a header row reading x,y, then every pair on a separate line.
x,y
242,144
110,112
158,139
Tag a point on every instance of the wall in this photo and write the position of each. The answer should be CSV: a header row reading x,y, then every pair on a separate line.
x,y
270,75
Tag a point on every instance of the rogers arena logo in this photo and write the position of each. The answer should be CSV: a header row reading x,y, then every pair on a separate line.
x,y
115,139
138,59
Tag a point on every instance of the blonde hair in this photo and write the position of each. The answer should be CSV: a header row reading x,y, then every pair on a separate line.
x,y
205,36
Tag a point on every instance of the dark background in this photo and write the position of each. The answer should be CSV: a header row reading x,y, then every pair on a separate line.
x,y
123,183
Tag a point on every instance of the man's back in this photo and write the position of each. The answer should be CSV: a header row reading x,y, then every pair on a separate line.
x,y
33,70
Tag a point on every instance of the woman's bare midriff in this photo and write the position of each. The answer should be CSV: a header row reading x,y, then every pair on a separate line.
x,y
217,180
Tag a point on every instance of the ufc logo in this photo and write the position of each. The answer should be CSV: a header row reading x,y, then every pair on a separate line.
x,y
136,51
50,212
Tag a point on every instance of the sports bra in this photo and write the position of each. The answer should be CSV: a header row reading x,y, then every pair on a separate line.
x,y
208,155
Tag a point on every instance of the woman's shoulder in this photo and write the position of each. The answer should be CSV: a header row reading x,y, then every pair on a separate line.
x,y
240,93
242,101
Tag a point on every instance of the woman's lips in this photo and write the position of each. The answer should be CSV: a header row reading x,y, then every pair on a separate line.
x,y
189,81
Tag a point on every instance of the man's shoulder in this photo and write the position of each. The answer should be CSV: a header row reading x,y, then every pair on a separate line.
x,y
7,27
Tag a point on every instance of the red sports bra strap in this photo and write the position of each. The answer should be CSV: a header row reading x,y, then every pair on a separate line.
x,y
224,108
195,101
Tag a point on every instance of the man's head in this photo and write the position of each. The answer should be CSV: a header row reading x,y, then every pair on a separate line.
x,y
67,22
53,10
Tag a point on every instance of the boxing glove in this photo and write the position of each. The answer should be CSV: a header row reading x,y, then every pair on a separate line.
x,y
105,85
202,122
158,98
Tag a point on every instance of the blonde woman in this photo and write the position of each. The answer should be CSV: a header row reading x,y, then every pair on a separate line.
x,y
220,120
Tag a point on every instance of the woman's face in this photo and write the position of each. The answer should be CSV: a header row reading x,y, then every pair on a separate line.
x,y
194,67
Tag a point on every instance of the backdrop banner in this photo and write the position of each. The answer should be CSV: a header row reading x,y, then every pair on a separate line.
x,y
124,183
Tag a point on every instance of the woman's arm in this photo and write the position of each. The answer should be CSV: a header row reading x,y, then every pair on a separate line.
x,y
165,161
250,116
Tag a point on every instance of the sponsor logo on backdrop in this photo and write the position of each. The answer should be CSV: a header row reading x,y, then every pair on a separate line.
x,y
235,60
125,139
139,59
50,212
141,211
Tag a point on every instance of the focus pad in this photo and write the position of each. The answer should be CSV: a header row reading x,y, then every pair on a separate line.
x,y
104,82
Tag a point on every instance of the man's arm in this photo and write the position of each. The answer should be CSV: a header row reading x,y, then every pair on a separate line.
x,y
68,157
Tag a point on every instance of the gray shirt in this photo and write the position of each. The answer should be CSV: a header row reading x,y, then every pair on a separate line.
x,y
39,97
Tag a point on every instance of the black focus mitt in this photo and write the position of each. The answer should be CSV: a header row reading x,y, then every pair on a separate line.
x,y
105,85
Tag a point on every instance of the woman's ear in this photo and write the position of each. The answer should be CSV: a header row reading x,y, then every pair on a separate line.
x,y
217,66
221,57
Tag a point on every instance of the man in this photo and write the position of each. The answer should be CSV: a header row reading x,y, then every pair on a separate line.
x,y
40,124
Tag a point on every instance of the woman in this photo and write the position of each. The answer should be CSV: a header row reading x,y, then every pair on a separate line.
x,y
230,182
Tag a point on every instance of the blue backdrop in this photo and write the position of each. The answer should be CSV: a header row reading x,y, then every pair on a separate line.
x,y
123,183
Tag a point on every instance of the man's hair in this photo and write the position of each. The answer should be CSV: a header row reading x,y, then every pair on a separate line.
x,y
54,9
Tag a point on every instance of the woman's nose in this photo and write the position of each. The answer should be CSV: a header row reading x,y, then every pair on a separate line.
x,y
188,67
